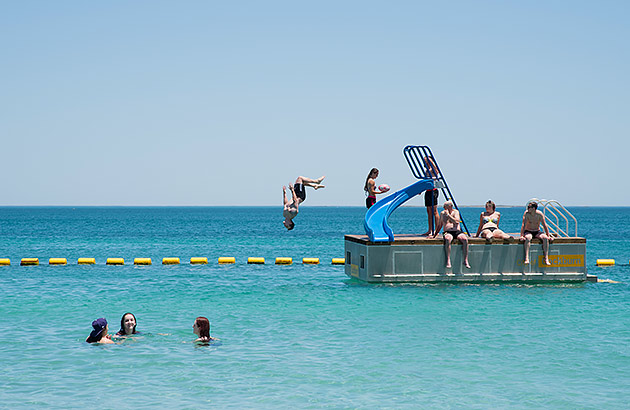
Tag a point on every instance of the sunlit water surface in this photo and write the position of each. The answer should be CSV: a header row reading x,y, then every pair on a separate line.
x,y
296,336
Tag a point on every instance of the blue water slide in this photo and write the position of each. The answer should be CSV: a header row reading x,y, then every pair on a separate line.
x,y
375,223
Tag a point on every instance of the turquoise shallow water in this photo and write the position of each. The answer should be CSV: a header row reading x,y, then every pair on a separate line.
x,y
296,336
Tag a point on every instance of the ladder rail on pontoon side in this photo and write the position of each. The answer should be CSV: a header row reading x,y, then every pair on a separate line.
x,y
415,156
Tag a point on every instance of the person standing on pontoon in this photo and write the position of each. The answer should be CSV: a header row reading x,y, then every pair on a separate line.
x,y
431,196
449,219
370,188
530,229
298,195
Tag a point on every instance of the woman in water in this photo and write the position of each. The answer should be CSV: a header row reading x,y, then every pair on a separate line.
x,y
127,325
99,334
489,224
201,328
370,188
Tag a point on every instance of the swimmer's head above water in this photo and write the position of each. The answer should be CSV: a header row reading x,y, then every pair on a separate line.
x,y
201,327
100,328
127,324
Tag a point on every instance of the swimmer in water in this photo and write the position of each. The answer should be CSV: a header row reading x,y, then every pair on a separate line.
x,y
298,195
201,327
127,325
99,334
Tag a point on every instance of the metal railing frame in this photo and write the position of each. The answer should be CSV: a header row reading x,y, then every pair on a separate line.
x,y
415,155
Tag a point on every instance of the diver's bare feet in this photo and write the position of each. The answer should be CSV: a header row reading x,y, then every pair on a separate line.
x,y
318,186
547,262
466,264
448,264
526,262
320,179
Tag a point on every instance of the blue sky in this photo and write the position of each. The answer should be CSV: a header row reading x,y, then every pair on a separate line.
x,y
221,103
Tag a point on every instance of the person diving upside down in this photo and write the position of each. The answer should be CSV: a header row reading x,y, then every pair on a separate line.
x,y
298,196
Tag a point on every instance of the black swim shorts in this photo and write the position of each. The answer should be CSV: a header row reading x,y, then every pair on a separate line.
x,y
431,197
369,201
455,233
300,191
534,233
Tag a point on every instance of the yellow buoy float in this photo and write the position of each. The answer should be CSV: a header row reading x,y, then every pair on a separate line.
x,y
202,260
170,261
29,261
284,261
605,262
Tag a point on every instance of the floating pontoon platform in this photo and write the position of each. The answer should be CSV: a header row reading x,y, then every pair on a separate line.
x,y
412,258
382,256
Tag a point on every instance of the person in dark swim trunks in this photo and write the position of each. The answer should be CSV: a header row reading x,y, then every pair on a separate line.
x,y
449,219
298,195
530,229
431,196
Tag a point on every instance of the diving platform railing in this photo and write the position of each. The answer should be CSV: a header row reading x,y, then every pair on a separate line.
x,y
557,215
423,165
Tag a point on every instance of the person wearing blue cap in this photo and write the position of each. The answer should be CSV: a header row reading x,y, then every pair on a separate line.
x,y
99,334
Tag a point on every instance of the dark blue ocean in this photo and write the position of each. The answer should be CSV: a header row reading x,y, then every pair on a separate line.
x,y
298,336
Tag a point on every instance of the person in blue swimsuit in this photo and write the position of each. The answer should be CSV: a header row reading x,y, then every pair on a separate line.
x,y
489,224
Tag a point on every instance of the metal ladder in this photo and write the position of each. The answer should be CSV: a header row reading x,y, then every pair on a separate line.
x,y
417,157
